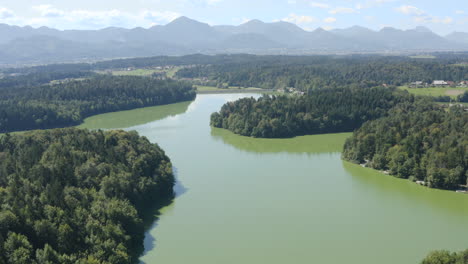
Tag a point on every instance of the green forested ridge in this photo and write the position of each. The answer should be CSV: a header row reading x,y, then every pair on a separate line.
x,y
241,69
196,59
323,111
39,78
68,103
75,196
418,140
327,72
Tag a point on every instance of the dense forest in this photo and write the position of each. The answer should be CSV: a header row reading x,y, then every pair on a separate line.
x,y
40,78
323,111
68,103
75,196
445,257
417,140
395,68
327,72
147,62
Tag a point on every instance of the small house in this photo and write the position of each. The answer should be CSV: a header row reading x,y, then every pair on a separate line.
x,y
440,83
416,84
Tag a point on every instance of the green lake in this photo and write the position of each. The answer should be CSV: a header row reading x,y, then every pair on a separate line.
x,y
276,201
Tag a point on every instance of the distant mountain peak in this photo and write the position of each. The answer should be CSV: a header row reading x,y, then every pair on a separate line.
x,y
183,20
254,22
389,29
288,25
361,28
353,29
319,30
423,29
184,36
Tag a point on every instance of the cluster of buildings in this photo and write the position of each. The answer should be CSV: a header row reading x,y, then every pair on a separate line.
x,y
438,83
290,90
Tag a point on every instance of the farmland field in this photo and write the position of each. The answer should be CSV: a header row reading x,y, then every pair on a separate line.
x,y
435,91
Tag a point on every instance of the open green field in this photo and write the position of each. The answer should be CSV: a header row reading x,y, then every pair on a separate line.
x,y
145,72
435,91
136,72
172,72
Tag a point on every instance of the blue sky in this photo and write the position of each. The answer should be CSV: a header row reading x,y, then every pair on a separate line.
x,y
441,16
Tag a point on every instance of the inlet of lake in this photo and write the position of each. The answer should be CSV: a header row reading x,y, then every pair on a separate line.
x,y
277,201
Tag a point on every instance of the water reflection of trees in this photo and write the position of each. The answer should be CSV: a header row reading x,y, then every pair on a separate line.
x,y
409,192
327,143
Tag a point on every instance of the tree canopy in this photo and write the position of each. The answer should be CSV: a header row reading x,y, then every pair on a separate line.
x,y
322,111
318,72
446,257
68,103
75,196
419,140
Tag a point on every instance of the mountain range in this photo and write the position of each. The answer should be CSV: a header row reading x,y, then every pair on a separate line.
x,y
27,45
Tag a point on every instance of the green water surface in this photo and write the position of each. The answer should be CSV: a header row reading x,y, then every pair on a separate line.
x,y
253,201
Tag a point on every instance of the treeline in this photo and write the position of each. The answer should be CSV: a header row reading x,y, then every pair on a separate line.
x,y
323,111
75,196
147,62
463,98
420,141
327,72
40,78
400,64
68,103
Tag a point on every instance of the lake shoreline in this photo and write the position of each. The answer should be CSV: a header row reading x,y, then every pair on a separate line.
x,y
236,91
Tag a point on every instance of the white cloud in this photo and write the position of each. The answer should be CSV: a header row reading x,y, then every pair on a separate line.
x,y
6,13
421,16
49,11
373,3
319,5
434,20
213,2
241,20
459,12
85,19
329,20
342,10
156,16
410,10
300,20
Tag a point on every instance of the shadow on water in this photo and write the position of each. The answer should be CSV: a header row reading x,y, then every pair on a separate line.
x,y
374,181
135,117
314,144
151,216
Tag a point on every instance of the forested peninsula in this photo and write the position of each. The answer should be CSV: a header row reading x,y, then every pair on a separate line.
x,y
322,111
75,196
67,103
420,141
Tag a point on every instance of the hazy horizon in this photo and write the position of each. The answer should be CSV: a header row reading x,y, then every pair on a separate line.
x,y
243,23
441,17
